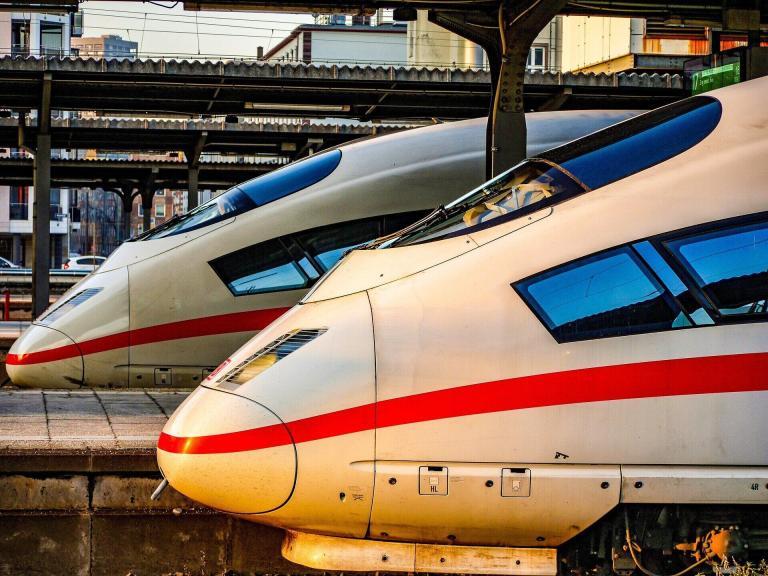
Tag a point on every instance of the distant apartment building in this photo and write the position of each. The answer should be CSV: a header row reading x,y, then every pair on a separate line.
x,y
16,222
106,46
340,40
165,205
33,34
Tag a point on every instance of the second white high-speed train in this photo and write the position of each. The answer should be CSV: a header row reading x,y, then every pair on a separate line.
x,y
564,371
165,309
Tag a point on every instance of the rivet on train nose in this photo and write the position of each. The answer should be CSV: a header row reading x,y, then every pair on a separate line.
x,y
489,483
342,496
604,485
393,481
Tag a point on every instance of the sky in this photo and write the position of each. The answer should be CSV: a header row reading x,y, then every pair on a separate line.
x,y
176,32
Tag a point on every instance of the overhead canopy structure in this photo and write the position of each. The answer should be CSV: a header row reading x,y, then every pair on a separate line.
x,y
285,140
198,89
112,174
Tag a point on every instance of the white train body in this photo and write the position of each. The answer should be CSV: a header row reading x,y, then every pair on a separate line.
x,y
157,312
584,335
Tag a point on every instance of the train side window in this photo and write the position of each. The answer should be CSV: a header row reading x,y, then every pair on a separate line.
x,y
729,266
295,261
612,293
329,243
694,311
264,267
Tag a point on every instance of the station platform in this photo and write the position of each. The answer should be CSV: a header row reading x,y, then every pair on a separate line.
x,y
89,430
77,469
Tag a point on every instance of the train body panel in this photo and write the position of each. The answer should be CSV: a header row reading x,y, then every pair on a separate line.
x,y
573,355
182,317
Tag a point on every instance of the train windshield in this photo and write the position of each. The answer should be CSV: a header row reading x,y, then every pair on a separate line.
x,y
561,173
251,194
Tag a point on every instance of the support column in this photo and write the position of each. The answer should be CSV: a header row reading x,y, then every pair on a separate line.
x,y
193,173
506,37
193,196
41,208
519,24
146,206
18,250
147,194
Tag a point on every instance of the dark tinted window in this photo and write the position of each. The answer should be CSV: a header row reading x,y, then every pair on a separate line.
x,y
638,143
610,294
577,167
267,188
295,261
265,267
291,178
730,266
718,275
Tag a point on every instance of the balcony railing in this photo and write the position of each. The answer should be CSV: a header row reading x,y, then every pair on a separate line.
x,y
19,49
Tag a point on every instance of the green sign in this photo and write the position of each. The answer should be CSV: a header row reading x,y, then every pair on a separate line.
x,y
725,75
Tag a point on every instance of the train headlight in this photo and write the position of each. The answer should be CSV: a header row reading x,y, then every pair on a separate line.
x,y
256,363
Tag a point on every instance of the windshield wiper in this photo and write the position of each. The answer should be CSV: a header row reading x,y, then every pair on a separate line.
x,y
152,231
437,213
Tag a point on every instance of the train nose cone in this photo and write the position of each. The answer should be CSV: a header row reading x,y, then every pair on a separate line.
x,y
229,453
46,358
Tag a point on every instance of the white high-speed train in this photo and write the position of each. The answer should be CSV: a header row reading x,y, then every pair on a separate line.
x,y
166,309
564,370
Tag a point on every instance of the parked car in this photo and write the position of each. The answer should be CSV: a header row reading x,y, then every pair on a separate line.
x,y
5,263
84,263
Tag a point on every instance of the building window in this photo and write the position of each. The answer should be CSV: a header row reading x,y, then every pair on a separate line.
x,y
537,58
160,210
19,203
51,39
20,38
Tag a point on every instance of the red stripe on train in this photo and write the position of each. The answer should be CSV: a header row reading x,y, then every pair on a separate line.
x,y
206,326
686,376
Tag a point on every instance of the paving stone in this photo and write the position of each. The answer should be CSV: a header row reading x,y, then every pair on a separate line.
x,y
75,428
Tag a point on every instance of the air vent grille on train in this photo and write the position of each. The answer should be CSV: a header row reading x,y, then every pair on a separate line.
x,y
62,308
267,356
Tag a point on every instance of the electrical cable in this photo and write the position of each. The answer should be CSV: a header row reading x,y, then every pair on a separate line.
x,y
632,545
